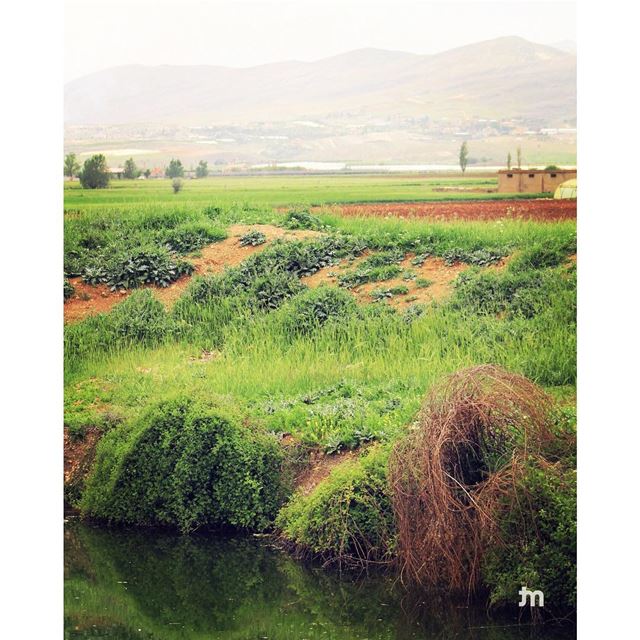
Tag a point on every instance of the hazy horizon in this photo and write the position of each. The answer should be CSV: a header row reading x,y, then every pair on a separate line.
x,y
100,35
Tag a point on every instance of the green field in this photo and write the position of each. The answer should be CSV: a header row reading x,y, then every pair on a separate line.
x,y
279,191
278,361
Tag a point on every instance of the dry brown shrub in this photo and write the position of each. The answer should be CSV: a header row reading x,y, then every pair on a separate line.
x,y
466,451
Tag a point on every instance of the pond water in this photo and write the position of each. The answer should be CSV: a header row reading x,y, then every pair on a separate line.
x,y
138,584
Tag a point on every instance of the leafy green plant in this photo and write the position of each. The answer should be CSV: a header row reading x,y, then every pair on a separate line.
x,y
252,238
363,275
69,289
477,257
302,219
190,236
420,259
384,294
128,270
273,288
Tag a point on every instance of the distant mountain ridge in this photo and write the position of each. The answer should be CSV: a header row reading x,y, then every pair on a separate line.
x,y
502,78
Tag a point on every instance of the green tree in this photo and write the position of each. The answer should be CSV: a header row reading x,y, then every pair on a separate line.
x,y
147,173
202,170
95,173
131,171
464,156
71,166
175,169
519,157
176,185
509,160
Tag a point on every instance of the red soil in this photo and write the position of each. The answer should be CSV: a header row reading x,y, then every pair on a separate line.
x,y
79,453
319,468
545,210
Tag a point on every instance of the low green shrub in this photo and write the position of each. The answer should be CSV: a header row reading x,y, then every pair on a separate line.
x,y
188,237
187,465
302,219
538,532
313,308
348,517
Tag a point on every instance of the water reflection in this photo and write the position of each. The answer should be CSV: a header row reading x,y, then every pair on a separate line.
x,y
123,584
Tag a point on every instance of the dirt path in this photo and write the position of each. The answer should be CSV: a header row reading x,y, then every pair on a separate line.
x,y
542,209
90,300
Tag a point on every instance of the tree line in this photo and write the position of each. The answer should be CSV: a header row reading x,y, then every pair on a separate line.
x,y
95,173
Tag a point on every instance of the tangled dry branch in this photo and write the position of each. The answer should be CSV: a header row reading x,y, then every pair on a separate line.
x,y
465,452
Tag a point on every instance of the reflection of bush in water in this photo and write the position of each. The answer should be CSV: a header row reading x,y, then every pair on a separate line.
x,y
197,581
235,589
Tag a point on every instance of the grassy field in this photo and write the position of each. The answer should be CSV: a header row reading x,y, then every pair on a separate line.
x,y
318,366
279,191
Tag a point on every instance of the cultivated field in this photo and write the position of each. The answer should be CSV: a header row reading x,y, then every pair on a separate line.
x,y
306,331
274,191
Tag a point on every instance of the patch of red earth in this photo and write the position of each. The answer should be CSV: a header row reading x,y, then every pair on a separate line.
x,y
90,300
319,467
542,209
79,453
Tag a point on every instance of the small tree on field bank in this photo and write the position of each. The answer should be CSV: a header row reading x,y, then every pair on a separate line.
x,y
71,166
464,156
202,170
147,173
519,157
175,169
95,173
509,160
131,171
176,185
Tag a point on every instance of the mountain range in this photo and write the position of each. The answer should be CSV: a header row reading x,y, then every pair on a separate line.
x,y
504,78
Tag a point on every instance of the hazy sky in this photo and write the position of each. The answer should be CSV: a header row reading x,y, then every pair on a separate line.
x,y
101,34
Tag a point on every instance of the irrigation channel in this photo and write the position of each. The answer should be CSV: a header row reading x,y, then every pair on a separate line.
x,y
124,583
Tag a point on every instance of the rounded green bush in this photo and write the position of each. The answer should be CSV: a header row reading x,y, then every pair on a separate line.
x,y
188,465
349,516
